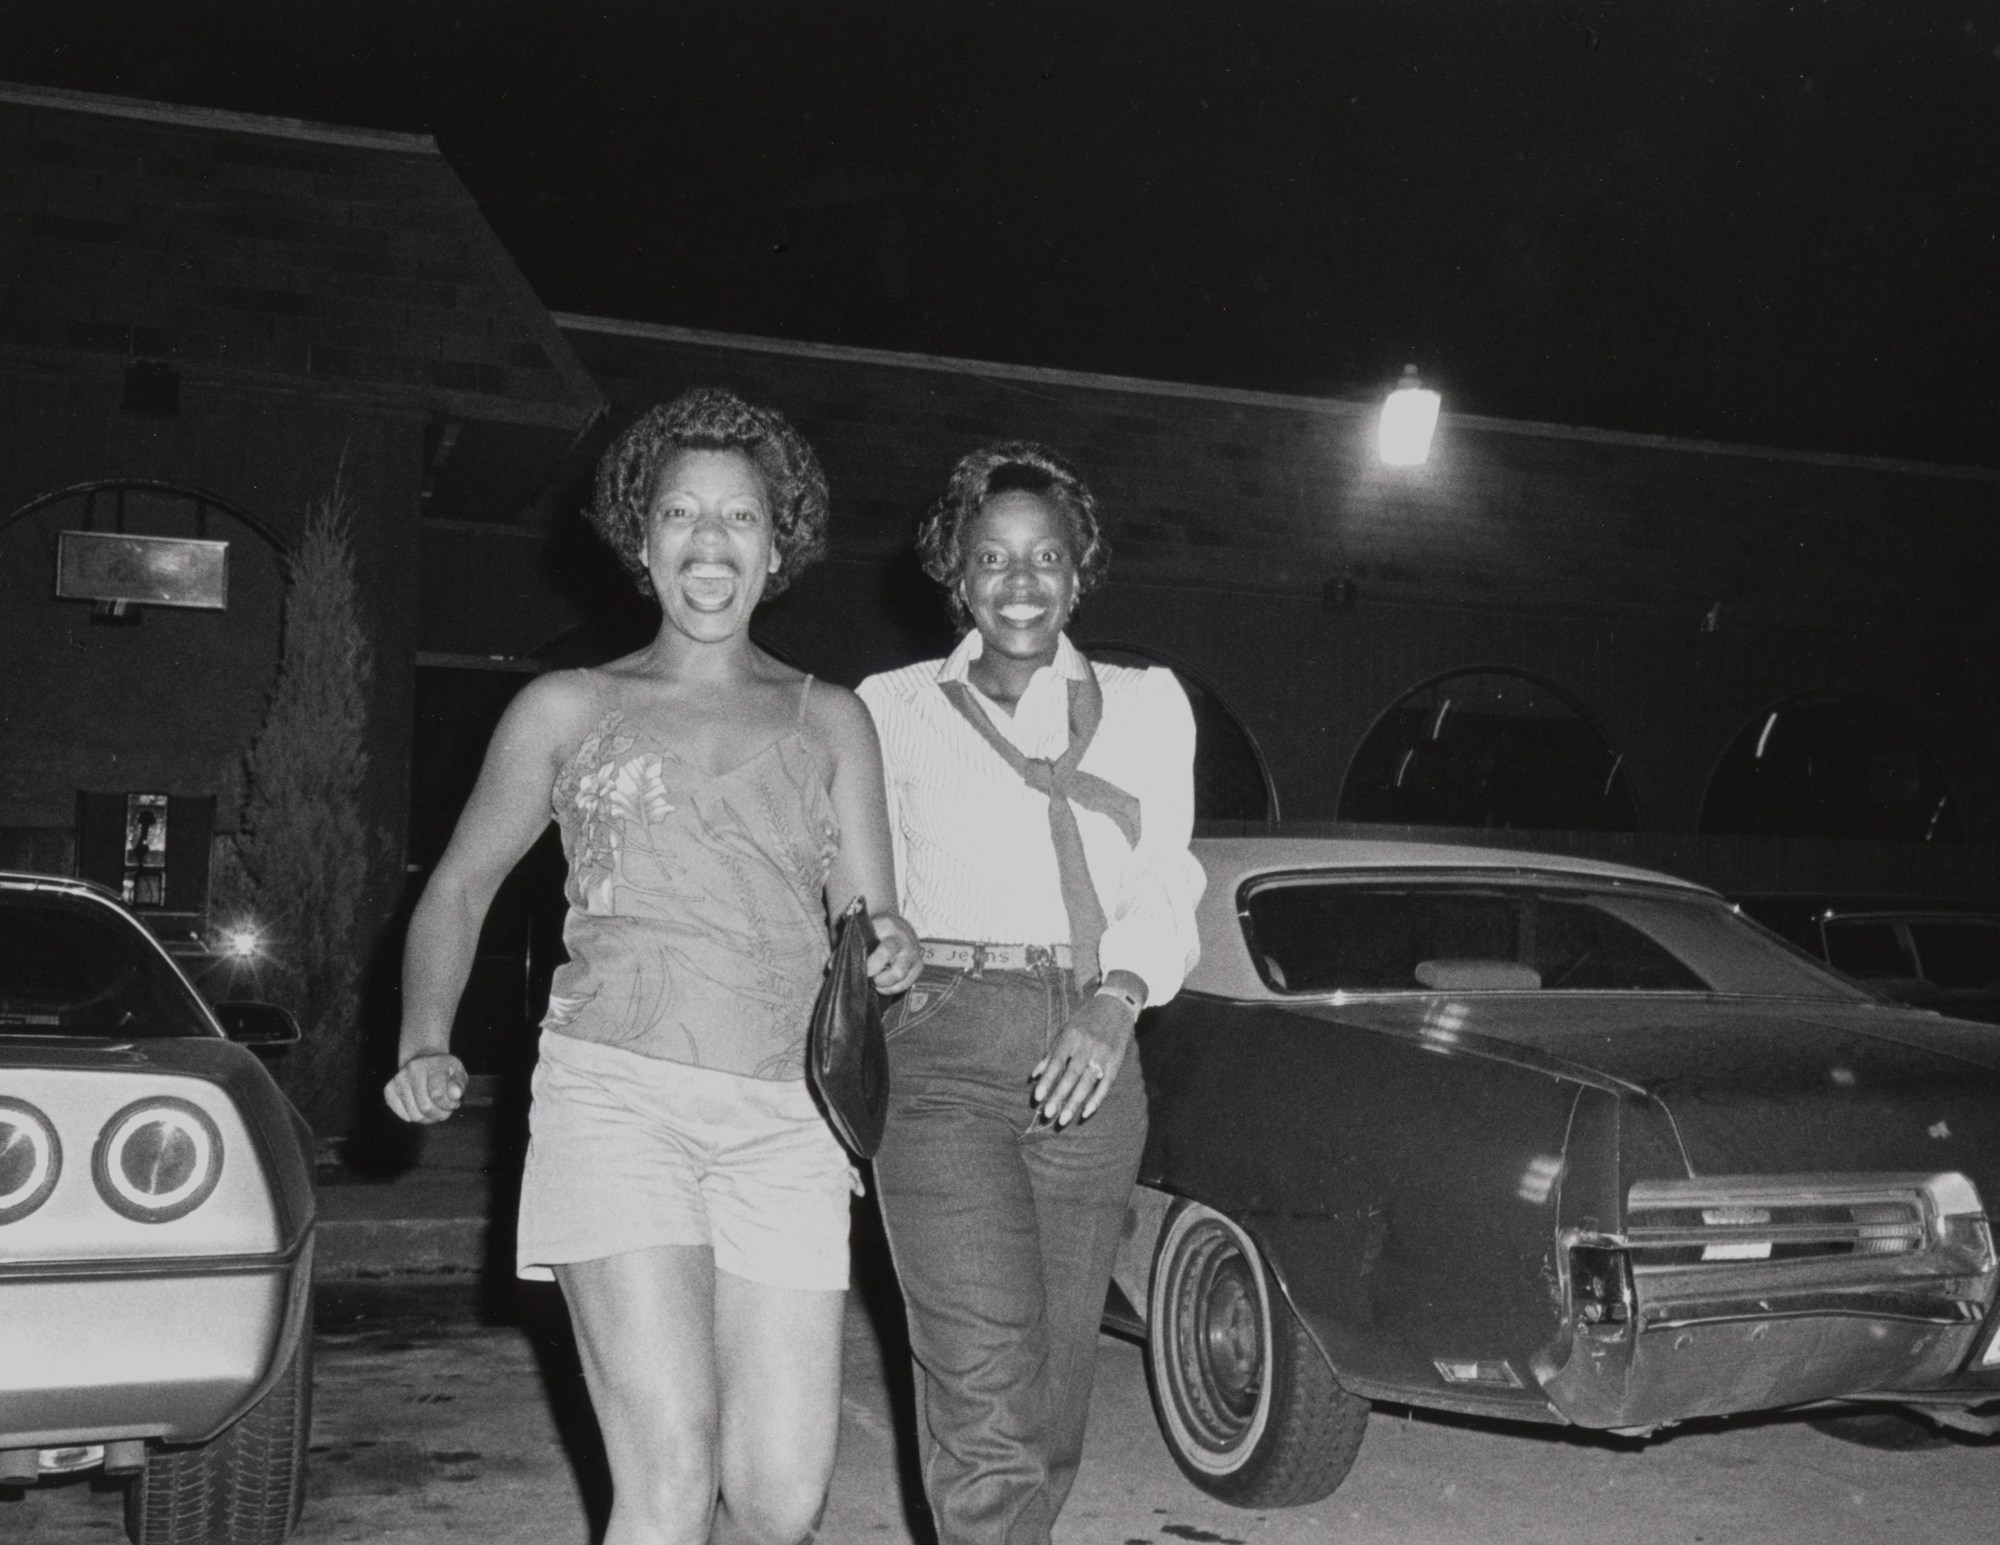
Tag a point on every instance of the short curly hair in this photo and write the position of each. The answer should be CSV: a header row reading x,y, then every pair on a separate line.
x,y
709,418
1010,466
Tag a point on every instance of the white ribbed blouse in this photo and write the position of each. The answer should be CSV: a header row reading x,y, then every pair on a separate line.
x,y
973,856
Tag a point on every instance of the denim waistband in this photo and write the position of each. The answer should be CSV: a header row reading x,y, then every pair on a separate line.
x,y
979,958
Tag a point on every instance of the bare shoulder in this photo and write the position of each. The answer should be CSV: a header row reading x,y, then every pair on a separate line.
x,y
552,712
838,720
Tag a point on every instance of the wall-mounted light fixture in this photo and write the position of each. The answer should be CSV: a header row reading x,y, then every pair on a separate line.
x,y
1409,418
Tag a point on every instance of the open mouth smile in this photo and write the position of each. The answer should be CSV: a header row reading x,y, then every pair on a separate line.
x,y
708,586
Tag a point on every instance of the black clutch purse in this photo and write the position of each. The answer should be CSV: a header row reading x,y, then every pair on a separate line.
x,y
847,1058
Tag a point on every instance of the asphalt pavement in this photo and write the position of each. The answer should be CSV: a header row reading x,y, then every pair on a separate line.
x,y
454,1411
448,1407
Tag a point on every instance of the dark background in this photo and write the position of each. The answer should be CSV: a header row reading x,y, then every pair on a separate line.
x,y
1758,222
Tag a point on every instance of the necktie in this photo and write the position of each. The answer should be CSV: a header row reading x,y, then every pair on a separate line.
x,y
1064,783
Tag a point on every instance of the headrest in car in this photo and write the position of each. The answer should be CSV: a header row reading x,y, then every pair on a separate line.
x,y
1477,976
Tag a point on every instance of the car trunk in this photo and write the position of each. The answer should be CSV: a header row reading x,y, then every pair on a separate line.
x,y
1754,1086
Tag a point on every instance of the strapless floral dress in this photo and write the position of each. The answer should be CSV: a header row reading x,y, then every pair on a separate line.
x,y
697,927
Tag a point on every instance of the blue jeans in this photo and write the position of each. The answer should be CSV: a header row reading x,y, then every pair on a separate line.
x,y
1003,1231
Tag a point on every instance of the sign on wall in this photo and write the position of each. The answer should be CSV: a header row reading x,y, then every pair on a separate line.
x,y
154,570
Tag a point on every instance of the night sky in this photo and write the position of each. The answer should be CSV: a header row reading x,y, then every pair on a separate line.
x,y
1758,222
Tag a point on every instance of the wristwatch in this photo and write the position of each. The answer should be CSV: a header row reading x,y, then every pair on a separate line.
x,y
1130,999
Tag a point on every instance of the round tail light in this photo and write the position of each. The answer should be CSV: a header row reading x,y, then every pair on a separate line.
x,y
158,1160
30,1159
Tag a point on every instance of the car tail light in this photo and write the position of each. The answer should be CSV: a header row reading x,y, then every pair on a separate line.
x,y
30,1159
158,1160
1600,1285
1793,1221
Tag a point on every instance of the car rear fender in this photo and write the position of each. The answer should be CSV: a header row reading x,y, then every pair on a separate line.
x,y
1399,1242
298,1323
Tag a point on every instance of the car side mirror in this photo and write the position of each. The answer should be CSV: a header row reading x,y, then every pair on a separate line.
x,y
257,1024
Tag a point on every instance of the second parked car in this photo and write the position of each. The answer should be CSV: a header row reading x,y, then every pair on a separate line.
x,y
1933,955
1531,1137
156,1230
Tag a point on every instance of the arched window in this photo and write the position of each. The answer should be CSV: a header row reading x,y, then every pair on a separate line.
x,y
122,738
1830,765
145,506
1232,782
1489,748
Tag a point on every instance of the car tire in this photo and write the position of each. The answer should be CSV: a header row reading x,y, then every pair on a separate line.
x,y
1249,1407
246,1485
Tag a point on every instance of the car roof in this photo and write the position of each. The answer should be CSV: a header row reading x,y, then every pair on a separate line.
x,y
1868,908
1230,862
59,882
1235,859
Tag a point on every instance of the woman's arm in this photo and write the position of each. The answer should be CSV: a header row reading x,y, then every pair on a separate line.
x,y
1151,930
865,864
1149,942
506,813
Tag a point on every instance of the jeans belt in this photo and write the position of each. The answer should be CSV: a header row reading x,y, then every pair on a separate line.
x,y
953,955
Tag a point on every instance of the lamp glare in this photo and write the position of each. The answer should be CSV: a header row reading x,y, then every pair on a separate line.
x,y
1409,418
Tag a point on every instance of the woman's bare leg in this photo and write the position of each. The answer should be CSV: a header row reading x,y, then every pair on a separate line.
x,y
706,1383
777,1355
645,1329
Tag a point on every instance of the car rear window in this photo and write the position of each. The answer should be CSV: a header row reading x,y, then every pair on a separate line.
x,y
1318,935
1873,951
1955,953
73,966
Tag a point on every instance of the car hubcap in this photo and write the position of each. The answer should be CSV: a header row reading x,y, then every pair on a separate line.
x,y
1219,1361
1231,1347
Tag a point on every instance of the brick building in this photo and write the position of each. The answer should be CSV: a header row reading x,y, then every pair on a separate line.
x,y
1770,670
211,319
1656,599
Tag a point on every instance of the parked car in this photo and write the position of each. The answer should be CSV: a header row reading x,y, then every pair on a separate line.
x,y
156,1229
1935,955
1538,1138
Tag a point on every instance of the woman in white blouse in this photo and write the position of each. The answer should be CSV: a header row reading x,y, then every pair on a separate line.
x,y
1040,810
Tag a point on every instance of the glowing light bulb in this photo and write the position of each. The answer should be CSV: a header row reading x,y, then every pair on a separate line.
x,y
1409,418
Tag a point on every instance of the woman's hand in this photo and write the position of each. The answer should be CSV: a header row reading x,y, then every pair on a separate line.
x,y
897,957
1073,1079
427,1088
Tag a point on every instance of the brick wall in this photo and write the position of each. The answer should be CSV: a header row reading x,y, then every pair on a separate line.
x,y
172,704
341,258
1589,561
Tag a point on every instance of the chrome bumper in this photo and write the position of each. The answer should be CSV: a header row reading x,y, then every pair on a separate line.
x,y
175,1353
1748,1293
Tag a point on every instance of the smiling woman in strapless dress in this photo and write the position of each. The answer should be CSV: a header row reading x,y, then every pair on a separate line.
x,y
714,804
